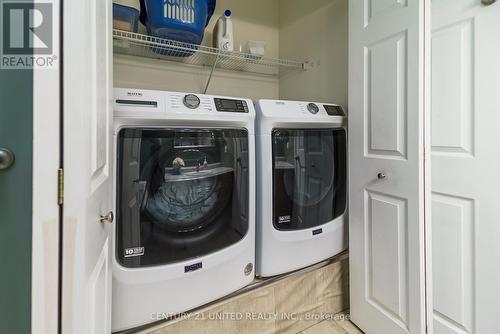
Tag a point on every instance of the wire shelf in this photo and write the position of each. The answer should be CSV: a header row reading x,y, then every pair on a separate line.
x,y
134,44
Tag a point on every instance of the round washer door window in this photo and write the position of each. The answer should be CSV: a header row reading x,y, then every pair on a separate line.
x,y
182,193
309,177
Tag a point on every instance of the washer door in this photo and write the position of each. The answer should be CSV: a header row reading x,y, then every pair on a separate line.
x,y
309,177
182,193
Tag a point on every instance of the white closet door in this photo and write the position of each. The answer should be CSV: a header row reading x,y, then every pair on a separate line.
x,y
386,147
87,246
465,166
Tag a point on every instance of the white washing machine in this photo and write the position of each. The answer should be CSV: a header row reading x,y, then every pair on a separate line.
x,y
301,184
185,202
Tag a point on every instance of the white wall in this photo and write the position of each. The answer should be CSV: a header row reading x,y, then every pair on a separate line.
x,y
252,20
294,29
318,31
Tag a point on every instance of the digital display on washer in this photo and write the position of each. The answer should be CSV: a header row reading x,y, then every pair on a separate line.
x,y
334,110
227,105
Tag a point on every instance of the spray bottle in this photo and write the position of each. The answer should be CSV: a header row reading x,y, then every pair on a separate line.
x,y
223,32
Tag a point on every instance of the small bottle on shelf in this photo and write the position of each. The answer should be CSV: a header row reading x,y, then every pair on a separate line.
x,y
223,38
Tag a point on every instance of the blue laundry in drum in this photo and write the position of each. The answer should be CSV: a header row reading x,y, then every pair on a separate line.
x,y
182,21
187,205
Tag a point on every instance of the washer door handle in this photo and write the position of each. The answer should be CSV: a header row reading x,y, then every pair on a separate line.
x,y
6,158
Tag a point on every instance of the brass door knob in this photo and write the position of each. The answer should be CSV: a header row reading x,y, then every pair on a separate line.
x,y
108,218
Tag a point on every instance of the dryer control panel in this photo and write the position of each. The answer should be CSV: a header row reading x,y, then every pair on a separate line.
x,y
301,109
298,114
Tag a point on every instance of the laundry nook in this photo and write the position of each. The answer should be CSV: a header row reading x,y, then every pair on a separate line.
x,y
250,167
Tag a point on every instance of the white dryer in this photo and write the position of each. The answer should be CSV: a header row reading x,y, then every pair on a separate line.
x,y
185,202
301,184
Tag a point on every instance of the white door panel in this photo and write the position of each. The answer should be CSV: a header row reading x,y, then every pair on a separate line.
x,y
87,248
385,89
387,248
465,166
386,131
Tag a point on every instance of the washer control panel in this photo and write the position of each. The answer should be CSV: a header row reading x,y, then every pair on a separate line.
x,y
191,101
133,102
229,105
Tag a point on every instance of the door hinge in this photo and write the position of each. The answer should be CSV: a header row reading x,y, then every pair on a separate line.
x,y
60,186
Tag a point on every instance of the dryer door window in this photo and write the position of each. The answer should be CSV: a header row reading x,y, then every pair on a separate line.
x,y
309,177
181,193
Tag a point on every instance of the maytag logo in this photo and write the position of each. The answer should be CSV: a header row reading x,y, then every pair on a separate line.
x,y
318,231
28,34
193,267
136,94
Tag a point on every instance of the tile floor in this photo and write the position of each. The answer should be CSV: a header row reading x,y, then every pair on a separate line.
x,y
323,291
332,327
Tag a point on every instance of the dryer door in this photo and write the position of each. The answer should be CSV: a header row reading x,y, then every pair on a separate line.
x,y
309,177
182,193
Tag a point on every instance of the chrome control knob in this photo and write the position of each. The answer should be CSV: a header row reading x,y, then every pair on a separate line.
x,y
313,108
191,101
